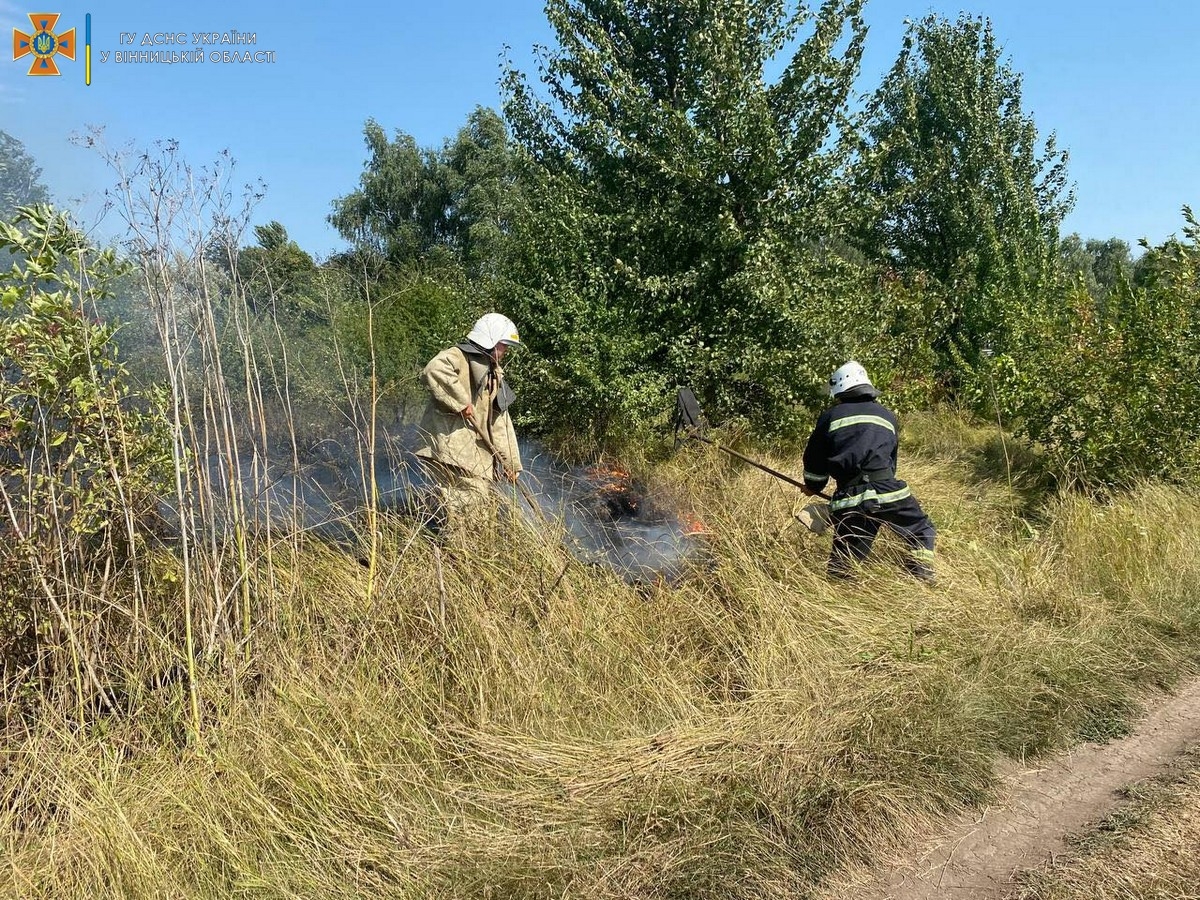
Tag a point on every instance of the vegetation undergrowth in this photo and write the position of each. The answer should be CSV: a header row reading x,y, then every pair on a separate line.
x,y
461,729
202,700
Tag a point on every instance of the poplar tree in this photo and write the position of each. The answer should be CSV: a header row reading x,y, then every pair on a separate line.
x,y
682,151
957,183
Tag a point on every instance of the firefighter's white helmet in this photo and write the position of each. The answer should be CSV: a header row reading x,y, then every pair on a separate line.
x,y
848,376
493,329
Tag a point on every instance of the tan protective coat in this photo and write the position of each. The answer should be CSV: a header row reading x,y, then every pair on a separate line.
x,y
449,439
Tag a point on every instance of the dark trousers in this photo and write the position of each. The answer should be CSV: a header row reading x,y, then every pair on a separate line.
x,y
854,532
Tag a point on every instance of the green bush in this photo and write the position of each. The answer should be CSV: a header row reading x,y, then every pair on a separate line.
x,y
81,465
1112,393
763,362
414,313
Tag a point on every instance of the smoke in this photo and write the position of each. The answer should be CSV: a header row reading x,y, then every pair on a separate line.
x,y
602,515
611,520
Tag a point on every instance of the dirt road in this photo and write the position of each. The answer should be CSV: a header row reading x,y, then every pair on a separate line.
x,y
979,857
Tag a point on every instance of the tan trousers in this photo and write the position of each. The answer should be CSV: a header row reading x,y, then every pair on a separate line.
x,y
468,500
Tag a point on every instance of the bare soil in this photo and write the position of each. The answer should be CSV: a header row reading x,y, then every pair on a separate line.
x,y
979,857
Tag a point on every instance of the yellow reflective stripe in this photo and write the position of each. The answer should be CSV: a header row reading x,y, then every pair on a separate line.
x,y
921,553
869,494
861,420
813,476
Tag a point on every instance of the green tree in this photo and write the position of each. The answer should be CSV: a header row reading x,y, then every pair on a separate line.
x,y
20,178
429,231
277,273
483,181
1112,263
958,184
1101,265
1077,263
1125,393
399,209
673,184
413,202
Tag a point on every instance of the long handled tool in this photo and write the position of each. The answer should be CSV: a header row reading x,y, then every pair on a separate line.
x,y
690,420
521,486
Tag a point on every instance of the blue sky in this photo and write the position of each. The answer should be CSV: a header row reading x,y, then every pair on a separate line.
x,y
1117,81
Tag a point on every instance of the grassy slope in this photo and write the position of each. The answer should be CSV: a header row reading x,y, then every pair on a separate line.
x,y
736,736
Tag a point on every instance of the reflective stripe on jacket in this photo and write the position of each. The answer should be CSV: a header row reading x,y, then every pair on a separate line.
x,y
856,444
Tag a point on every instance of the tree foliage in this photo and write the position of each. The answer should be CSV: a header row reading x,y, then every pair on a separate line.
x,y
81,465
687,198
398,210
414,202
956,182
1112,391
1099,265
483,181
672,182
1112,263
20,178
278,274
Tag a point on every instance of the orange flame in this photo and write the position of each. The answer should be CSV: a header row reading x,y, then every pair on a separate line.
x,y
608,472
611,478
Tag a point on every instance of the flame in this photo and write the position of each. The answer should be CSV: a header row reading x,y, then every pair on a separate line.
x,y
609,474
613,485
693,525
610,479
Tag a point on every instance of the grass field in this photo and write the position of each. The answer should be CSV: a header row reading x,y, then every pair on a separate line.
x,y
461,731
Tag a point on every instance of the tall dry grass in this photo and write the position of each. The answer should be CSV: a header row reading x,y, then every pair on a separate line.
x,y
740,734
452,720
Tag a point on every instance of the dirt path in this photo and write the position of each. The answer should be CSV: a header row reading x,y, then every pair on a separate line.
x,y
978,858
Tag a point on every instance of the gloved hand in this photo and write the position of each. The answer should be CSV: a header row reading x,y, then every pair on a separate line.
x,y
503,472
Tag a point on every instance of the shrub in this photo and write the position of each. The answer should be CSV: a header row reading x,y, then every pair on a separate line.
x,y
1112,392
80,463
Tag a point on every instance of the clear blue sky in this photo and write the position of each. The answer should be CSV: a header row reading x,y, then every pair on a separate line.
x,y
1117,81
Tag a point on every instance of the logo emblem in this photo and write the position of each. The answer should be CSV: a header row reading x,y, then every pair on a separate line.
x,y
44,44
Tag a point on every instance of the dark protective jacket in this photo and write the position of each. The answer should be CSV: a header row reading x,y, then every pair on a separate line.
x,y
855,443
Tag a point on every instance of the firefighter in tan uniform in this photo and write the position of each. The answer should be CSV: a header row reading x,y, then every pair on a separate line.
x,y
469,438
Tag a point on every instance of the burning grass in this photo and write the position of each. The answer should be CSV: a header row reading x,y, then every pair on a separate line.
x,y
453,723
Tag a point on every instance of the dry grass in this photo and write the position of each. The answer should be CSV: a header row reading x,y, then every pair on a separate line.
x,y
1145,852
738,735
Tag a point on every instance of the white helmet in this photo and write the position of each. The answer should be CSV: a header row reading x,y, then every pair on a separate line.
x,y
494,329
850,375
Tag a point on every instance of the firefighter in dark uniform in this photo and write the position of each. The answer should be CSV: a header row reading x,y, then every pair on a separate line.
x,y
855,443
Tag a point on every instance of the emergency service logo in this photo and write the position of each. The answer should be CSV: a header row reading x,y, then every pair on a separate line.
x,y
44,44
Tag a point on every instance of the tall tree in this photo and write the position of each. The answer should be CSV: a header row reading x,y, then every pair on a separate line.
x,y
674,177
1077,262
484,186
961,187
1101,264
413,201
20,177
1112,262
277,273
399,207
